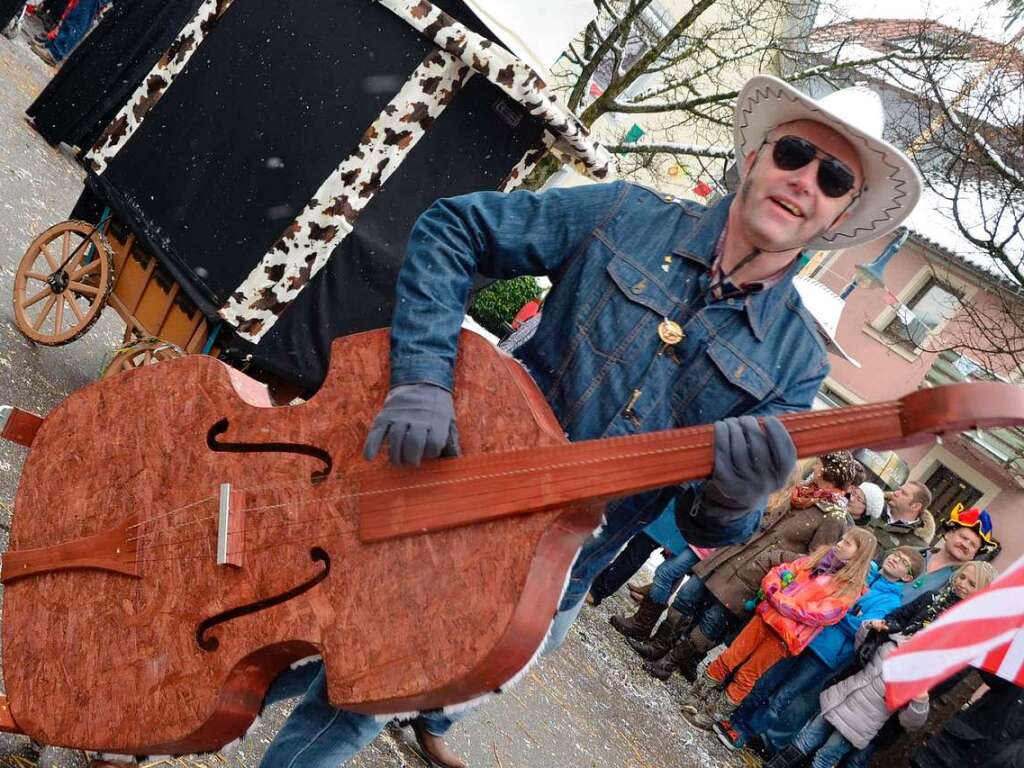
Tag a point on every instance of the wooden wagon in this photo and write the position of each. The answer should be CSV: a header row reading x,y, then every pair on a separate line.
x,y
260,249
74,269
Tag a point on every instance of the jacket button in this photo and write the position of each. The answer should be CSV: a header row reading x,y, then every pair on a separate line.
x,y
640,287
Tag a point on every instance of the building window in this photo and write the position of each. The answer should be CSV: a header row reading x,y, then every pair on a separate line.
x,y
949,491
932,306
828,397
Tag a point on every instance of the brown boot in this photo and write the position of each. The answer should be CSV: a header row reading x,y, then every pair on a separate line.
x,y
668,633
638,591
680,657
697,648
640,624
434,748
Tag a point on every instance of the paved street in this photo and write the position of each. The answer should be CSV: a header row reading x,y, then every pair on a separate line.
x,y
588,705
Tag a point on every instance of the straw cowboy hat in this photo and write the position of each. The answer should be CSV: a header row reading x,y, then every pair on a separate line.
x,y
891,183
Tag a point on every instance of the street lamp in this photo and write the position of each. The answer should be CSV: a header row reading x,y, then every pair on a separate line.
x,y
871,274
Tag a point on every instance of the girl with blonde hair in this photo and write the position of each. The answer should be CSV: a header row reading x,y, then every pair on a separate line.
x,y
797,600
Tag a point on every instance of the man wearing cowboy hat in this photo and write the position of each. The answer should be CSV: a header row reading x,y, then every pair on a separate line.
x,y
663,314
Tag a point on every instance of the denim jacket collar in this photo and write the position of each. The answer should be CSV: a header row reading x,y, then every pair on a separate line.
x,y
763,307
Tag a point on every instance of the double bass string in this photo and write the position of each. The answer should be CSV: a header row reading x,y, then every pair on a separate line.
x,y
469,493
411,507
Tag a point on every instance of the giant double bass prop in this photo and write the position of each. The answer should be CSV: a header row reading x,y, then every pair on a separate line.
x,y
164,570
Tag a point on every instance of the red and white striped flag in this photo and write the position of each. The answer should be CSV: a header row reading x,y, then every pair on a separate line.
x,y
985,631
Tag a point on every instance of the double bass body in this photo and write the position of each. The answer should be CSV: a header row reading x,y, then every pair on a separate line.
x,y
174,652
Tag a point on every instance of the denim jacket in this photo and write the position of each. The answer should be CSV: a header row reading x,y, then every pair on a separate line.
x,y
622,258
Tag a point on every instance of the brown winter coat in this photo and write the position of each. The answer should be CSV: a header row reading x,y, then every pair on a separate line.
x,y
733,574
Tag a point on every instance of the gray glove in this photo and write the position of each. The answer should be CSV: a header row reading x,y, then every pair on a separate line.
x,y
418,421
750,463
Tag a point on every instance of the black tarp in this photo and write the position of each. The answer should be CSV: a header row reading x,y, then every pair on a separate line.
x,y
8,10
97,78
267,107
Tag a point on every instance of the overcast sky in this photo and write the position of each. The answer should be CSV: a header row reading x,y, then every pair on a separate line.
x,y
960,13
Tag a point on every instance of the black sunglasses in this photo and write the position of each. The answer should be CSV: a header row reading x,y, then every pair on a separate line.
x,y
790,153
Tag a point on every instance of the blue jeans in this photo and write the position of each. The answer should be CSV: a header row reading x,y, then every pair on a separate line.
x,y
74,27
713,618
827,744
765,710
317,735
669,573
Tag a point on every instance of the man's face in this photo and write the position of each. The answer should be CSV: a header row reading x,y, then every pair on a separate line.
x,y
902,503
962,544
784,210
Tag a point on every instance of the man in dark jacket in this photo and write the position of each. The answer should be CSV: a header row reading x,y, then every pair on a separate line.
x,y
905,520
989,732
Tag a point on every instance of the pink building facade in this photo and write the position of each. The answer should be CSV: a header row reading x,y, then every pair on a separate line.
x,y
960,470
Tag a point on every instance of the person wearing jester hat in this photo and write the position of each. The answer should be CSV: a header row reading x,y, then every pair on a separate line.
x,y
979,521
968,536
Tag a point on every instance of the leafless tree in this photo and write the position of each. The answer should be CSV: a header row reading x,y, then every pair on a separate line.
x,y
682,74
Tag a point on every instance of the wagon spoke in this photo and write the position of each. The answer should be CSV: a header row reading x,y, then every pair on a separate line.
x,y
37,297
44,312
65,246
37,276
92,266
83,289
49,258
73,303
58,319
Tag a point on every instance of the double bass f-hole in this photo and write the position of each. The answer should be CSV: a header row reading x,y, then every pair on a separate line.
x,y
210,644
315,477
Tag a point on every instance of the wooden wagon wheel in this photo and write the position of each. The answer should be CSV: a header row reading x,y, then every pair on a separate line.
x,y
143,352
58,294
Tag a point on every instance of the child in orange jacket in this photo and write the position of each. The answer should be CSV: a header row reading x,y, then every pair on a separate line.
x,y
799,599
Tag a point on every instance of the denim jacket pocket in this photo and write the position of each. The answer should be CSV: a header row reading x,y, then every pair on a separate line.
x,y
741,375
639,287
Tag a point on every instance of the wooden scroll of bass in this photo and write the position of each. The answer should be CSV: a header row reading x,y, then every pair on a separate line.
x,y
419,587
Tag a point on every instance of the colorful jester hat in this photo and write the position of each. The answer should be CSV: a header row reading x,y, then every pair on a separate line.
x,y
979,520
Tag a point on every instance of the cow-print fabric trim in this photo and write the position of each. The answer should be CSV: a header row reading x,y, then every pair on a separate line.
x,y
156,83
330,216
508,73
528,162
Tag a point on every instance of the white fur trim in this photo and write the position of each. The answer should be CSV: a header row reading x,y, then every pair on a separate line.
x,y
306,660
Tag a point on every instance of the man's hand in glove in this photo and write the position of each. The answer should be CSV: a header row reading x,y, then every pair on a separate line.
x,y
418,421
751,462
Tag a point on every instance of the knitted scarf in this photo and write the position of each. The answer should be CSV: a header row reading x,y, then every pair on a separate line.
x,y
829,502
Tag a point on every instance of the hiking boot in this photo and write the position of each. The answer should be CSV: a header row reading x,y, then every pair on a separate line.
x,y
40,50
718,707
697,697
728,735
641,623
665,638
